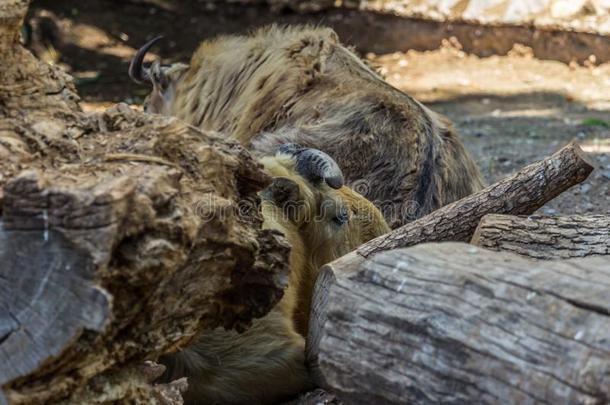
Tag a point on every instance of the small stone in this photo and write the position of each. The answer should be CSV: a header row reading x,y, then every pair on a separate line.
x,y
550,211
584,188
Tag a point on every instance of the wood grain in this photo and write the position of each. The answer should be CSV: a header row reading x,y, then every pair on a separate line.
x,y
453,323
545,237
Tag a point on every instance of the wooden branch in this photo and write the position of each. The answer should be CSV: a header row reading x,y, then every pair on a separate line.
x,y
453,323
543,237
522,193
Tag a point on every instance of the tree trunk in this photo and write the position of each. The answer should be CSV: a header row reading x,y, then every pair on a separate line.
x,y
545,238
121,236
453,323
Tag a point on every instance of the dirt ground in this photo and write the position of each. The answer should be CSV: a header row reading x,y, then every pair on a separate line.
x,y
511,110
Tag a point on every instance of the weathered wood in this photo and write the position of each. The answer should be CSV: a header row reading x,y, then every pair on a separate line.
x,y
522,193
140,255
122,235
544,237
135,382
454,323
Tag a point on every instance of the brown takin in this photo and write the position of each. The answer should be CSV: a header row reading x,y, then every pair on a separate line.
x,y
322,220
299,84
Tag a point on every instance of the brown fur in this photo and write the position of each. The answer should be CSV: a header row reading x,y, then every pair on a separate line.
x,y
299,84
266,363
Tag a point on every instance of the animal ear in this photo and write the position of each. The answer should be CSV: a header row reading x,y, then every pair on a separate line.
x,y
282,192
158,76
314,165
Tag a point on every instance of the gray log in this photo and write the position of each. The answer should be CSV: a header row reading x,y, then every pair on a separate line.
x,y
454,323
543,237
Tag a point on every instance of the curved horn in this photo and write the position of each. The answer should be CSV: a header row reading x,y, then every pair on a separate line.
x,y
137,73
313,164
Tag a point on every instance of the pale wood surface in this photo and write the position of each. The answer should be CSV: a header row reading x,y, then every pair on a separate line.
x,y
545,237
454,323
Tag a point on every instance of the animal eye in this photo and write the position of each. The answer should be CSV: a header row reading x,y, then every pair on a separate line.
x,y
341,218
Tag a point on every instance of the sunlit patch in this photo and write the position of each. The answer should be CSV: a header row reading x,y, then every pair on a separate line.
x,y
91,38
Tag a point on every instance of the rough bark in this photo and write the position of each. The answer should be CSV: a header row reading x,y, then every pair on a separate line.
x,y
121,236
544,237
135,383
454,323
522,193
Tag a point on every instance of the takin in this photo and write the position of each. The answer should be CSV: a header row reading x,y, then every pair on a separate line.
x,y
322,220
301,85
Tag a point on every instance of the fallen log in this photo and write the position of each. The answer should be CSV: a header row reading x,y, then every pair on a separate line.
x,y
544,237
454,323
123,261
522,193
122,235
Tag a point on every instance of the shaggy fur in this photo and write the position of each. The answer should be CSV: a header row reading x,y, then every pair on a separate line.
x,y
299,84
266,363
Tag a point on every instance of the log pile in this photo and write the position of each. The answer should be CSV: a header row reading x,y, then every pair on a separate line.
x,y
452,322
121,236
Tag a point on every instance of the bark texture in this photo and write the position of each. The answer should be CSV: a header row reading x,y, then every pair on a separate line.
x,y
454,323
544,237
121,236
520,194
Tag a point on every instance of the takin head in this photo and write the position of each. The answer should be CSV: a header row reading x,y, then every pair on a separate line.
x,y
308,195
321,217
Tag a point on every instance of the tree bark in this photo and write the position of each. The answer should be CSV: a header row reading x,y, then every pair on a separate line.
x,y
543,237
121,236
454,323
522,193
